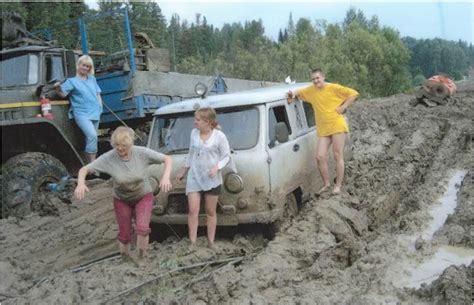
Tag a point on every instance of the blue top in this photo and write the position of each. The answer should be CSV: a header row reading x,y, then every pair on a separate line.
x,y
83,97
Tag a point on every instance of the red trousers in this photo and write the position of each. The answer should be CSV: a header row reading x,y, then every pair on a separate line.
x,y
124,212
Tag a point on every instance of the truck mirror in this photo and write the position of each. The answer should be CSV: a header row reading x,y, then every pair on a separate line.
x,y
39,91
70,64
281,132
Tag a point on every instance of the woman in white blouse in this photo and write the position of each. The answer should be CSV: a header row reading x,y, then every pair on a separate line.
x,y
209,152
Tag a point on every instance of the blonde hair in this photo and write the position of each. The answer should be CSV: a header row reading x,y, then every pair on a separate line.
x,y
207,114
86,59
122,135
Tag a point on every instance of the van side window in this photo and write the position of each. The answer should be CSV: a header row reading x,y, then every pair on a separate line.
x,y
276,115
309,112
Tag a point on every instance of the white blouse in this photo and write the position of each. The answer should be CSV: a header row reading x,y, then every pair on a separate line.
x,y
204,155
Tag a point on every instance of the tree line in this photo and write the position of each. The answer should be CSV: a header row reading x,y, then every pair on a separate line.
x,y
359,52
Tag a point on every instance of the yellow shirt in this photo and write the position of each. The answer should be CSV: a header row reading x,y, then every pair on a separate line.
x,y
324,102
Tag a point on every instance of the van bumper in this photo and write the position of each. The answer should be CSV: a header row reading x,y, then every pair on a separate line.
x,y
222,220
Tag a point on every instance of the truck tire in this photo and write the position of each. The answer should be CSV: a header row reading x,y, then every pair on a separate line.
x,y
439,91
24,176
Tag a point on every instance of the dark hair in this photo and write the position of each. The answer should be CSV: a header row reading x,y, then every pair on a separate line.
x,y
317,70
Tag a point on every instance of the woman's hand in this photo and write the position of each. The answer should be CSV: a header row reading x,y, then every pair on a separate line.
x,y
165,184
213,171
290,97
81,188
181,174
340,109
80,191
57,88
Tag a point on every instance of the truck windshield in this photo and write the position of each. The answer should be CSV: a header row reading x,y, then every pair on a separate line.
x,y
19,71
171,133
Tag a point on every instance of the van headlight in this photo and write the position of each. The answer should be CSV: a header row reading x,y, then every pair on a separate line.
x,y
234,183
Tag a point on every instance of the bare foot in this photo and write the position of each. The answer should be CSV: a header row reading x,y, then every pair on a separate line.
x,y
336,190
211,245
141,253
127,259
323,189
192,247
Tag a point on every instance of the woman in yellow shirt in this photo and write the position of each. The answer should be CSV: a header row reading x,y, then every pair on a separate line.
x,y
329,102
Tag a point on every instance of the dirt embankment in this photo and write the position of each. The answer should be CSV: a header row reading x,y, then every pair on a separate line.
x,y
338,250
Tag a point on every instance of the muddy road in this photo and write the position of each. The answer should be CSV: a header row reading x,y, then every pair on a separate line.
x,y
368,245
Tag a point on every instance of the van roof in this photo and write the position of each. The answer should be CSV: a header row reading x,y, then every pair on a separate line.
x,y
242,98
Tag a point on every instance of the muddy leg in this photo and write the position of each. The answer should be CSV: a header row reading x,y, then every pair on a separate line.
x,y
142,245
124,249
338,149
211,217
321,160
91,157
194,200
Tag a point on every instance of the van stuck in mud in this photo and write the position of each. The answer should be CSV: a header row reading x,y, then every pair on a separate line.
x,y
272,145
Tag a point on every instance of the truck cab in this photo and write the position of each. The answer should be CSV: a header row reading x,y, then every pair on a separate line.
x,y
35,150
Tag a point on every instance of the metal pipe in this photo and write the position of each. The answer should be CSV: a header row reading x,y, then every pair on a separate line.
x,y
82,28
128,32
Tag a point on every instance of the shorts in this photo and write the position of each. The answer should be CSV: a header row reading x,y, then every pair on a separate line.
x,y
214,191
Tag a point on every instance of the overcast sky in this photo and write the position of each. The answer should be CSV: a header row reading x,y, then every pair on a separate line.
x,y
451,20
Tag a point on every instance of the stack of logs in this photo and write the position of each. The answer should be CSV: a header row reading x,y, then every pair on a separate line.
x,y
437,90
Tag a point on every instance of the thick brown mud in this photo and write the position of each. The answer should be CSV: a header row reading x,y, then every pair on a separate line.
x,y
343,249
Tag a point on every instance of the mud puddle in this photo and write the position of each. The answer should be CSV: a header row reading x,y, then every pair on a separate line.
x,y
447,205
413,270
431,269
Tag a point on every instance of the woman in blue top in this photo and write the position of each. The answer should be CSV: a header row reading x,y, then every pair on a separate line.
x,y
86,103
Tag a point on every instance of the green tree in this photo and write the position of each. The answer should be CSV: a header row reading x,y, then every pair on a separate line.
x,y
434,56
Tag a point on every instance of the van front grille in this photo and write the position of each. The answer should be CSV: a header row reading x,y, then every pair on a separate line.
x,y
178,204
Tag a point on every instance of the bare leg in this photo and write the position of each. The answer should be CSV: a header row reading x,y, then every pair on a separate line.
x,y
142,245
124,249
194,200
211,206
322,160
91,157
338,149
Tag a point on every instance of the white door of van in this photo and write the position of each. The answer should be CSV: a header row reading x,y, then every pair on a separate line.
x,y
287,161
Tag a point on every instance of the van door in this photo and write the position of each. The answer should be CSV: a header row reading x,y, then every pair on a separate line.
x,y
286,159
308,141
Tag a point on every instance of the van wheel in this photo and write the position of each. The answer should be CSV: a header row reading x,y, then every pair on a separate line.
x,y
290,210
24,177
291,206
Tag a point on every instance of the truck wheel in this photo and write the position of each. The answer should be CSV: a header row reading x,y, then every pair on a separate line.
x,y
440,91
24,177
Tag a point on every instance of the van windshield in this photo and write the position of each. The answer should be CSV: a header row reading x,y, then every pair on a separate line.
x,y
171,133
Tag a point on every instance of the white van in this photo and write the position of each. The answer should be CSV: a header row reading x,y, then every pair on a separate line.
x,y
272,144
